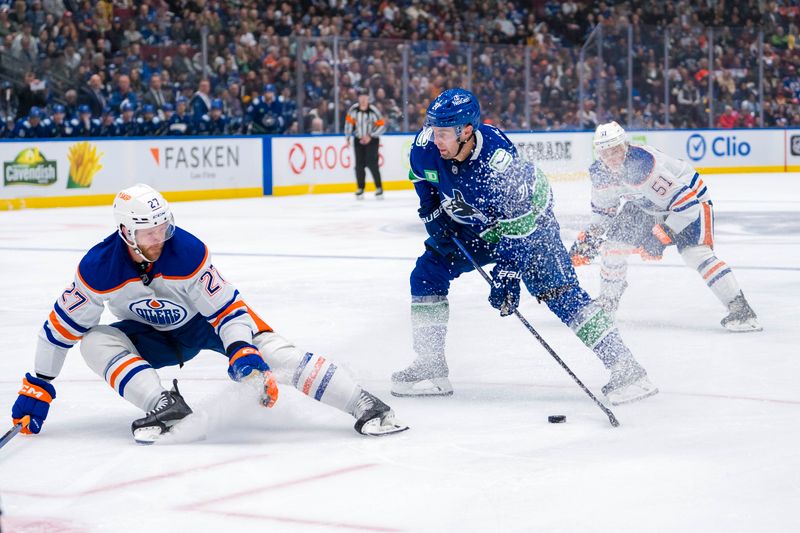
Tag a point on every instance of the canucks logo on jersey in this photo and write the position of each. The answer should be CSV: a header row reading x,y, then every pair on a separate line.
x,y
160,312
461,211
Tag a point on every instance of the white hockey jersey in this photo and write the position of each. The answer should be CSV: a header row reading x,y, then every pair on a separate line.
x,y
181,284
653,181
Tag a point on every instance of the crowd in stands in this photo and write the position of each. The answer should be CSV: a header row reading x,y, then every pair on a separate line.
x,y
124,68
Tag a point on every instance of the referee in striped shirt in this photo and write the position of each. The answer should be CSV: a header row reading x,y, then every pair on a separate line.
x,y
364,122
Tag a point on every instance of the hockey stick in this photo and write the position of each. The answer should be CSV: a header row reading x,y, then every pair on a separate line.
x,y
606,410
11,433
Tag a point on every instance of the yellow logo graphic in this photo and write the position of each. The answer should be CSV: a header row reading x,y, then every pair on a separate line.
x,y
84,163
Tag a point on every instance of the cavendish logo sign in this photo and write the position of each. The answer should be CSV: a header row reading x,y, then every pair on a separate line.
x,y
158,312
30,167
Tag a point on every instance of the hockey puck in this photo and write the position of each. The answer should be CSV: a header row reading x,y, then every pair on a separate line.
x,y
557,419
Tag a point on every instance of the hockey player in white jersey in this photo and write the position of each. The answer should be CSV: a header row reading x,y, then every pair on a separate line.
x,y
643,201
171,302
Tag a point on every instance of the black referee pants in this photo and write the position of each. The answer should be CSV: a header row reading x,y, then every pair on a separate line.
x,y
367,157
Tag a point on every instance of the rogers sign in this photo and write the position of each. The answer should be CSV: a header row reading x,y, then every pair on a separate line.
x,y
333,155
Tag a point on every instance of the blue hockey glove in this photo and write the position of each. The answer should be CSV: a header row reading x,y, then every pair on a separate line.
x,y
505,289
33,400
441,228
656,241
244,358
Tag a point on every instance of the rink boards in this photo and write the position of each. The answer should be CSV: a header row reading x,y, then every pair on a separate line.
x,y
71,172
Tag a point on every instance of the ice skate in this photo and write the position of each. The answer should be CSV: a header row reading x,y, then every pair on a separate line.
x,y
425,377
379,194
360,194
628,383
375,417
169,411
742,318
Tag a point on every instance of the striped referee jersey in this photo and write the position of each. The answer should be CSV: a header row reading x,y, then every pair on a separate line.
x,y
360,123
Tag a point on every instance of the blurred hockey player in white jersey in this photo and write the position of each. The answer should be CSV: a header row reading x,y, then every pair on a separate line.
x,y
171,302
643,201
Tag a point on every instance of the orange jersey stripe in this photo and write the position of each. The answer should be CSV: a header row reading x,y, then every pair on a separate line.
x,y
61,329
716,267
379,123
260,324
350,119
231,308
313,376
709,235
691,193
113,380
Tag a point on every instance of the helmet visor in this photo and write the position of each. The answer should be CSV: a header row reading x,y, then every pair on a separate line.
x,y
156,234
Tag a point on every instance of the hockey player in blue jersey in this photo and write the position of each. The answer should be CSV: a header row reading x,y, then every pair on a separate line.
x,y
180,122
84,125
644,200
34,126
264,115
59,125
171,302
472,184
125,125
213,122
148,125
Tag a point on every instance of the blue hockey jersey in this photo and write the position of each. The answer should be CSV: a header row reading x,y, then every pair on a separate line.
x,y
494,191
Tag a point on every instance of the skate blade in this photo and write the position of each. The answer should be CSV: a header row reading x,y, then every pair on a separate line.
x,y
426,387
147,435
743,327
374,427
638,392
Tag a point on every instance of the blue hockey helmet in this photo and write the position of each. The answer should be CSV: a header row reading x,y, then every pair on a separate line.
x,y
269,88
58,108
148,108
454,108
126,106
35,112
168,107
216,103
181,99
83,108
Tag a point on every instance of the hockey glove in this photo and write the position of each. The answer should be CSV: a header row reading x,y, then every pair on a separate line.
x,y
653,245
33,400
585,248
246,362
505,289
440,227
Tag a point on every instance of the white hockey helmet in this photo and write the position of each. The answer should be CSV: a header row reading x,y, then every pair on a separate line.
x,y
139,208
608,135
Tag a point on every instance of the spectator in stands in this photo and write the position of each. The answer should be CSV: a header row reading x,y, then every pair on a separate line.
x,y
92,95
71,103
155,96
123,93
33,92
200,103
728,119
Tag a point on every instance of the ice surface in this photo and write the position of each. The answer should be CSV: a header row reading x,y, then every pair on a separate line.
x,y
717,450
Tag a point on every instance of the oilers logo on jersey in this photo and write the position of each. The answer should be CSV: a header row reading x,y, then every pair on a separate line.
x,y
159,311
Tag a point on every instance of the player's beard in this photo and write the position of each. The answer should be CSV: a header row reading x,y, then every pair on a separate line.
x,y
152,252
